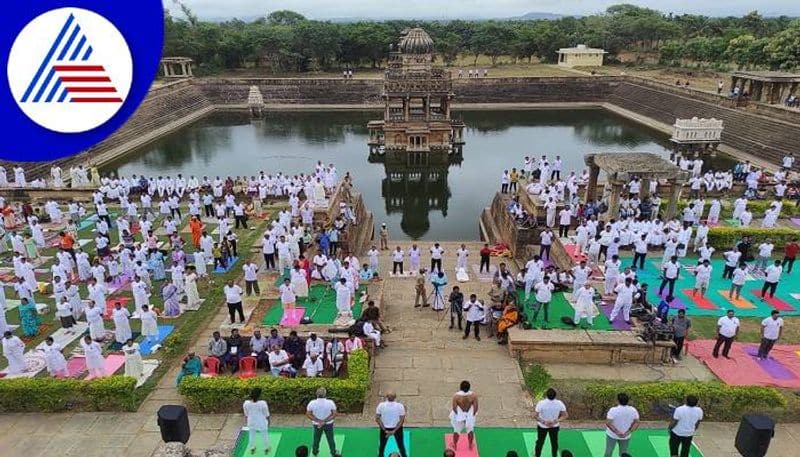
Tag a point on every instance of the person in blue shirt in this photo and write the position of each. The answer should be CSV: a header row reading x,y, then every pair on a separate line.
x,y
663,308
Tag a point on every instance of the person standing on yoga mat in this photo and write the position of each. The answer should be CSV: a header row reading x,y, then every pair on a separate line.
x,y
464,408
727,329
390,416
683,426
771,329
256,411
549,413
233,298
772,274
322,412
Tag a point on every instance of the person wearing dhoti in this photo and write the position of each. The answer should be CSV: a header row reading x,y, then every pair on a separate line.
x,y
122,324
584,304
94,316
257,413
95,363
461,257
149,324
299,281
55,173
192,295
133,360
320,200
172,307
54,359
344,298
13,351
464,407
19,177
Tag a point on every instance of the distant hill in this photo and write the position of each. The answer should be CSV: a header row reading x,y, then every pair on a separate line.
x,y
537,16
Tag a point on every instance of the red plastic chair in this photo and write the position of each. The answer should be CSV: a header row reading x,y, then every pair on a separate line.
x,y
211,366
247,367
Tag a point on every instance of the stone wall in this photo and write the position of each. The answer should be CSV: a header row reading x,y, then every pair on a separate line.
x,y
534,90
501,227
233,91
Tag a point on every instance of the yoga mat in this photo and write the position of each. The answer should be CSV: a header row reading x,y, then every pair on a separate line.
x,y
231,263
700,302
463,449
324,451
148,367
112,363
733,222
739,303
292,317
484,277
744,370
110,305
274,443
146,347
796,221
774,302
76,365
391,444
34,363
12,303
572,250
676,302
618,324
62,338
120,283
595,440
770,365
118,346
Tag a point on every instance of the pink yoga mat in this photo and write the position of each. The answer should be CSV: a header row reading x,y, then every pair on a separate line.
x,y
463,449
292,316
110,305
77,365
113,363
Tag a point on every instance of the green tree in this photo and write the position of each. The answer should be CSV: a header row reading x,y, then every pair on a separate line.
x,y
492,39
746,51
285,17
783,50
448,46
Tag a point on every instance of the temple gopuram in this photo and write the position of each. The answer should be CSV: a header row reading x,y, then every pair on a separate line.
x,y
417,96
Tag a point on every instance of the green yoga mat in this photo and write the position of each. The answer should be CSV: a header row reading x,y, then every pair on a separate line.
x,y
559,307
320,306
428,442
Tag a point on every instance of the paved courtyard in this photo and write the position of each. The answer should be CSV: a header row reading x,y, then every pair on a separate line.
x,y
424,363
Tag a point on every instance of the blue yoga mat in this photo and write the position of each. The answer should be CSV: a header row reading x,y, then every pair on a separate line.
x,y
231,263
146,347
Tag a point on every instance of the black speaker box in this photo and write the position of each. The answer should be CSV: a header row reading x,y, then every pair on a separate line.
x,y
173,420
754,435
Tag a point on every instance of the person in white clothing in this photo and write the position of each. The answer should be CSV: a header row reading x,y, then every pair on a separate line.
x,y
549,413
626,293
683,426
256,411
584,303
14,350
461,257
322,413
621,421
771,330
702,278
56,362
287,294
463,409
772,274
727,330
95,363
251,278
313,365
344,298
390,416
476,312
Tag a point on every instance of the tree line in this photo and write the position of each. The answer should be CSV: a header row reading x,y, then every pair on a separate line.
x,y
287,41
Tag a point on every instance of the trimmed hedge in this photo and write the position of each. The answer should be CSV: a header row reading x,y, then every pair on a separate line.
x,y
537,379
725,237
46,394
720,402
225,394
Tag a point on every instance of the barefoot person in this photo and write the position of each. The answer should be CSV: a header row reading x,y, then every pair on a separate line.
x,y
463,412
257,413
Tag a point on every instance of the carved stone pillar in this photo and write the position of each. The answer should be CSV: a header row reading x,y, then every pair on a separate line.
x,y
591,187
675,189
645,188
613,200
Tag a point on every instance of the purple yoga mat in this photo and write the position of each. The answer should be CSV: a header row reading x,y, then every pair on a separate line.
x,y
796,221
770,366
676,302
618,324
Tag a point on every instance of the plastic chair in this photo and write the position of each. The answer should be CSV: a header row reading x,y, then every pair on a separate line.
x,y
211,366
247,367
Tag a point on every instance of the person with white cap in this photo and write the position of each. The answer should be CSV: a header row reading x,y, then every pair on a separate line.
x,y
384,234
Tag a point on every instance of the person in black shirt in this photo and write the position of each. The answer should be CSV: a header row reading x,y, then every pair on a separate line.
x,y
296,349
456,300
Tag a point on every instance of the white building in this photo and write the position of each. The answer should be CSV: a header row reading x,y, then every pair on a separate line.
x,y
580,56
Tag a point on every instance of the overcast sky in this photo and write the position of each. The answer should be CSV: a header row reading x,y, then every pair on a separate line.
x,y
448,9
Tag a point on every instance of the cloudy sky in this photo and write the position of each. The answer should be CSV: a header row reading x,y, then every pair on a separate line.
x,y
447,9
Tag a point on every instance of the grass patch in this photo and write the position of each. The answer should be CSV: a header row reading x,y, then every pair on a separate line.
x,y
537,379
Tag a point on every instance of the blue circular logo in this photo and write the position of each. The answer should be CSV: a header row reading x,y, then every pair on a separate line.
x,y
75,72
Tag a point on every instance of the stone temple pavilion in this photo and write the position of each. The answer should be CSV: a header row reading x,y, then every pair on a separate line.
x,y
766,86
621,167
418,98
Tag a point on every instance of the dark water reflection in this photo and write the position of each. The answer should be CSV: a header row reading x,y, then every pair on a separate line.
x,y
420,201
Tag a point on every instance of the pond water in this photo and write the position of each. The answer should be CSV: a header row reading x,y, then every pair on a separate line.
x,y
441,202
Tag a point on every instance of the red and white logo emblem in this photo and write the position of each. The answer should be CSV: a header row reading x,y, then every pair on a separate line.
x,y
70,70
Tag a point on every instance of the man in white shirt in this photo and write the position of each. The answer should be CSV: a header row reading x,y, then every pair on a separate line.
x,y
772,274
544,294
626,292
732,257
702,277
233,298
390,416
727,329
251,278
545,243
683,426
670,272
621,421
564,221
475,311
313,365
314,344
738,278
322,413
548,414
771,329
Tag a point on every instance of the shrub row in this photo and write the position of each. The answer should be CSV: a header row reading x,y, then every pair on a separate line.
x,y
46,394
720,402
225,394
724,237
